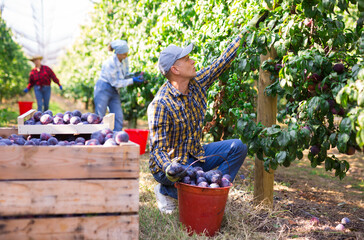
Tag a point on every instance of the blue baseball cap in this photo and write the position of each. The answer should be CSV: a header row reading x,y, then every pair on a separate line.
x,y
170,55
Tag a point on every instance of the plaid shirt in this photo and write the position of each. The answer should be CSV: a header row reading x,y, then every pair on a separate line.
x,y
176,120
42,77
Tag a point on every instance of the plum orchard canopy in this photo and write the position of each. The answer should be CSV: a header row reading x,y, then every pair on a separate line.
x,y
45,27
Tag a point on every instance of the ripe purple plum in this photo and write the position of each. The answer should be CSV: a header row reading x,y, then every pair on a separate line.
x,y
46,119
98,135
203,184
315,150
59,115
186,179
214,185
84,117
12,137
52,141
29,122
80,140
36,141
6,141
92,142
2,143
340,227
198,168
43,143
345,220
37,115
121,136
29,143
75,120
45,136
200,173
19,141
331,102
49,112
62,143
108,136
191,172
110,142
93,118
77,113
227,176
58,120
216,178
339,68
201,179
106,131
225,182
67,117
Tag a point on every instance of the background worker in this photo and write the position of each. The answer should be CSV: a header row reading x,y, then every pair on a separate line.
x,y
40,78
114,75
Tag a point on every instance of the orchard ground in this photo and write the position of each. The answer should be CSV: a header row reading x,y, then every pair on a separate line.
x,y
300,193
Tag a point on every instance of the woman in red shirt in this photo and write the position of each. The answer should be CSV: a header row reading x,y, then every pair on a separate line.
x,y
40,77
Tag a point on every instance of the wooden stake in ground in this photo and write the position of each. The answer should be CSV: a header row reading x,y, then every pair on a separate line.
x,y
267,112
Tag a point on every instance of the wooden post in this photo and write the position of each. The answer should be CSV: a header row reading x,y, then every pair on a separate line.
x,y
267,112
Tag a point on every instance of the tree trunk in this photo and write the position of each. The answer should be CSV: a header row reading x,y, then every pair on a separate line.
x,y
267,112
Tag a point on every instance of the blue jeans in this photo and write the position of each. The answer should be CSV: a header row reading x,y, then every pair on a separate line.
x,y
42,94
233,150
105,96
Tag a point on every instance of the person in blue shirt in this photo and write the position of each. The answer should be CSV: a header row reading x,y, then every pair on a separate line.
x,y
114,75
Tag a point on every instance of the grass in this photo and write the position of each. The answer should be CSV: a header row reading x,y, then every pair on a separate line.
x,y
242,219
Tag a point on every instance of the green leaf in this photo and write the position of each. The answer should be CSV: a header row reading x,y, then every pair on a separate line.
x,y
345,125
281,157
283,139
332,139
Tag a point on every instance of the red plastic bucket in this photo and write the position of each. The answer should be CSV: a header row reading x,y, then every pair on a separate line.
x,y
138,136
25,107
201,209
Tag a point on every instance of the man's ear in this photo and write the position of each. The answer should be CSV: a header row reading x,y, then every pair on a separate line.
x,y
174,70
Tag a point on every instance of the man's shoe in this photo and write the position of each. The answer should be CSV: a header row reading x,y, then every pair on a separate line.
x,y
166,204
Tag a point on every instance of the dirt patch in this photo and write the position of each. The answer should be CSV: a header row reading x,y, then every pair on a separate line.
x,y
314,201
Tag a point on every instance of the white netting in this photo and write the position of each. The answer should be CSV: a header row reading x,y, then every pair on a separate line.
x,y
45,27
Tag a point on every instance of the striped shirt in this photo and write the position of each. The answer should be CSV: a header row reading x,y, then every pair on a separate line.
x,y
176,120
115,72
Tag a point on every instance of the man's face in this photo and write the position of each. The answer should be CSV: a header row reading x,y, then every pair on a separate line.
x,y
186,67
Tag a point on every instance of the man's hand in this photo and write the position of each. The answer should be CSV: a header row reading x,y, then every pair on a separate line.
x,y
26,90
175,171
258,18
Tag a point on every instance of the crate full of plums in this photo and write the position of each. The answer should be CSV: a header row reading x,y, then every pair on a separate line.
x,y
69,122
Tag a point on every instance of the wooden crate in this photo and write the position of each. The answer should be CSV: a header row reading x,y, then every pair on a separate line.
x,y
69,192
108,122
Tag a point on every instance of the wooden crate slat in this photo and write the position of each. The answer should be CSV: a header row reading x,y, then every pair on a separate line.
x,y
6,132
21,198
70,228
50,162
